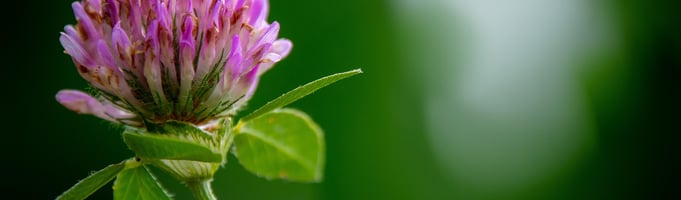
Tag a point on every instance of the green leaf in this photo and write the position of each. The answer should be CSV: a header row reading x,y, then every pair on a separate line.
x,y
92,183
284,144
156,146
300,92
137,182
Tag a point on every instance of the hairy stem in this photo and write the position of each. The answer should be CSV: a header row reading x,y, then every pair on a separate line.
x,y
201,189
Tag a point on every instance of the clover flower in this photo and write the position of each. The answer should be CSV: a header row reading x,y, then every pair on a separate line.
x,y
158,60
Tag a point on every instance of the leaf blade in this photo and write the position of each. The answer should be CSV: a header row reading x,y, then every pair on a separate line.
x,y
283,144
300,92
160,147
138,183
92,183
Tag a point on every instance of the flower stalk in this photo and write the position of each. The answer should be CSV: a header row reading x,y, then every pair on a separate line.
x,y
201,189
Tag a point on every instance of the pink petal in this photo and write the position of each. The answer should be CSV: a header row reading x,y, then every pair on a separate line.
x,y
282,48
78,52
234,61
85,22
84,103
268,36
258,14
113,10
105,55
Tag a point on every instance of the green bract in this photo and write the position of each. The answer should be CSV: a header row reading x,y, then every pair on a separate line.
x,y
163,147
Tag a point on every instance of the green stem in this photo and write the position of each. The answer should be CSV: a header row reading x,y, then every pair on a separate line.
x,y
201,189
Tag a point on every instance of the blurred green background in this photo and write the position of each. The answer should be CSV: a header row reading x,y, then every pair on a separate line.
x,y
461,99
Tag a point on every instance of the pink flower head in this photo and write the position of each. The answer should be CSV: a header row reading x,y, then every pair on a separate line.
x,y
158,60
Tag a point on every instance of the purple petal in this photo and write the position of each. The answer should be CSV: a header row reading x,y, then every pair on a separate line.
x,y
215,15
69,30
282,48
251,81
94,5
116,113
185,7
234,61
246,86
187,51
256,54
202,10
84,103
152,47
258,12
105,55
163,16
269,35
166,50
76,51
78,101
240,4
85,22
135,16
122,49
119,36
187,47
113,11
152,65
271,58
152,40
120,39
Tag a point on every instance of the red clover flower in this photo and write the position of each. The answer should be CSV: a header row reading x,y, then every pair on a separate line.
x,y
159,60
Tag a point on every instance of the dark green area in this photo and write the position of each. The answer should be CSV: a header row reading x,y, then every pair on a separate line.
x,y
374,123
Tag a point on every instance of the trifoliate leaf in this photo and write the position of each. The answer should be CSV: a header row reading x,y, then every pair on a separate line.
x,y
283,144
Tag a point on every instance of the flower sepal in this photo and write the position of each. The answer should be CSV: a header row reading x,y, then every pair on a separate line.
x,y
186,151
